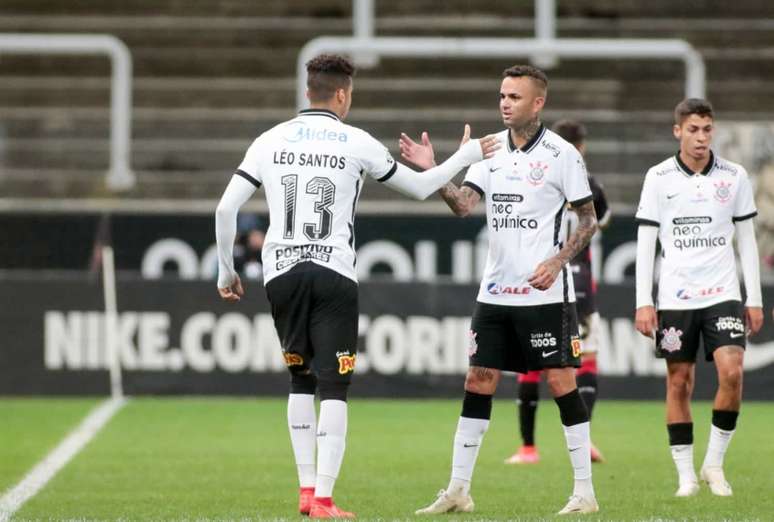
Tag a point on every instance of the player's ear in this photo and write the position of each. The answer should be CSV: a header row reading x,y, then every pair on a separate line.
x,y
676,131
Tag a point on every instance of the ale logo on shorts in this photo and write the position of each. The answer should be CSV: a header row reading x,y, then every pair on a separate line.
x,y
293,359
473,344
576,346
537,173
722,192
671,341
346,362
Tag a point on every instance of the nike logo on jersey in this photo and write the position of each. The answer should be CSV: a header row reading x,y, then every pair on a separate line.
x,y
734,335
671,196
493,170
549,354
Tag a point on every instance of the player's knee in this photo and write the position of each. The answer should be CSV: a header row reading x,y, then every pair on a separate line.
x,y
731,377
681,385
303,382
481,380
560,382
330,389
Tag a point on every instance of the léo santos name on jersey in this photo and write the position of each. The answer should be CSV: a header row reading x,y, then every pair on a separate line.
x,y
303,159
688,233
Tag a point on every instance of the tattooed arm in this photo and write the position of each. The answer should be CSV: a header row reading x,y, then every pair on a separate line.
x,y
548,270
461,200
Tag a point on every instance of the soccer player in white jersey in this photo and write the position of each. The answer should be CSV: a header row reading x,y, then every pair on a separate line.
x,y
588,320
525,317
694,203
312,168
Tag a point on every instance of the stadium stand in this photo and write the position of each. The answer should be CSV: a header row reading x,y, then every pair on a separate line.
x,y
212,74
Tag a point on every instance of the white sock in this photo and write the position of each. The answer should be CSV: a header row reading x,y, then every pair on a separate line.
x,y
302,424
716,449
682,454
331,441
467,442
578,438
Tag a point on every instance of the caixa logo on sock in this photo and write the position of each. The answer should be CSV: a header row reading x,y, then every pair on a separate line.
x,y
729,323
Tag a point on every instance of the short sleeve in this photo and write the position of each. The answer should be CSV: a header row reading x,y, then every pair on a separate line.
x,y
476,178
744,206
647,211
249,169
575,179
376,160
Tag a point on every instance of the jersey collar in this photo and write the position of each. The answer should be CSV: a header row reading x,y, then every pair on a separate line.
x,y
688,172
319,112
530,144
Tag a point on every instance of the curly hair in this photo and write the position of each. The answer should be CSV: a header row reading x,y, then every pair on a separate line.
x,y
326,74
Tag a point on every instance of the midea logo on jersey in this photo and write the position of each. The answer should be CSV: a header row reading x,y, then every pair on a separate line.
x,y
298,131
498,289
687,233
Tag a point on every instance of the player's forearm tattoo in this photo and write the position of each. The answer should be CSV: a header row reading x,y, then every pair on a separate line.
x,y
528,131
587,225
460,200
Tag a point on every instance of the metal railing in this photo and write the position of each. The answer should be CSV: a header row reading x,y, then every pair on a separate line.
x,y
487,48
120,175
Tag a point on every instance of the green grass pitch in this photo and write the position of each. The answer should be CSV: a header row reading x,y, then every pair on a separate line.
x,y
230,459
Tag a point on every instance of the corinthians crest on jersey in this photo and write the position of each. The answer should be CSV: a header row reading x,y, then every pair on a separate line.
x,y
695,213
526,190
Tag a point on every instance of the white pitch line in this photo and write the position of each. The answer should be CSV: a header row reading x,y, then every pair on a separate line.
x,y
45,470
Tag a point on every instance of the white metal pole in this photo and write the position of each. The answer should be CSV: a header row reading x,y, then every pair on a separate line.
x,y
111,321
120,175
545,29
363,29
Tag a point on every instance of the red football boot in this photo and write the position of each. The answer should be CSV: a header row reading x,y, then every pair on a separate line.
x,y
305,496
323,507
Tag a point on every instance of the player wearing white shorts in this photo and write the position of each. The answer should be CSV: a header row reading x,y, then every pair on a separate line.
x,y
312,169
694,203
524,317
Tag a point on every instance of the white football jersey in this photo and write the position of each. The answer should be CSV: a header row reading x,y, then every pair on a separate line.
x,y
312,169
526,191
695,215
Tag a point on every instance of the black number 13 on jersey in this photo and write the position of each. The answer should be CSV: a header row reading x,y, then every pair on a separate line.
x,y
326,194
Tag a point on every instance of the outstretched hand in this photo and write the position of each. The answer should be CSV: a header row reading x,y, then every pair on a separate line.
x,y
232,292
421,155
